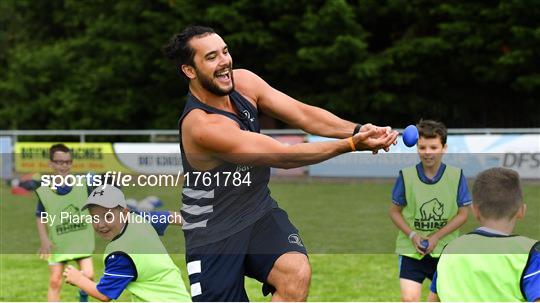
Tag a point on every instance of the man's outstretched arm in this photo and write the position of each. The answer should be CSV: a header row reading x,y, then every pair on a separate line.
x,y
222,138
311,119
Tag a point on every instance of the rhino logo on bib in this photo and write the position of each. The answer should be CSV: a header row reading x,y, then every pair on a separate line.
x,y
431,216
68,222
432,210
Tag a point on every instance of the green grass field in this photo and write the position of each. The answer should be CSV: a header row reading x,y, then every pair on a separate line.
x,y
343,224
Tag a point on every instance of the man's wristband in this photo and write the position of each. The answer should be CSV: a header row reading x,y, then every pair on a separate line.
x,y
351,144
356,129
412,234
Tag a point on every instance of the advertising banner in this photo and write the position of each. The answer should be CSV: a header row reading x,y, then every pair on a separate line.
x,y
472,153
150,158
33,157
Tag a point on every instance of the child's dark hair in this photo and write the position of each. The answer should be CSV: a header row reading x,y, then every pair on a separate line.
x,y
497,193
178,48
431,129
58,147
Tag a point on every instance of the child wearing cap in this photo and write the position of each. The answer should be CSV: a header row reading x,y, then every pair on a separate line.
x,y
135,258
490,263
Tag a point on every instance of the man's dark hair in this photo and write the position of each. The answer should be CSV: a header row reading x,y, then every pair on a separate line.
x,y
58,147
178,48
431,129
497,193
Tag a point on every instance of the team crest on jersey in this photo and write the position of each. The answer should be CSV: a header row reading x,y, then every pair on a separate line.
x,y
67,224
248,115
243,168
295,239
431,216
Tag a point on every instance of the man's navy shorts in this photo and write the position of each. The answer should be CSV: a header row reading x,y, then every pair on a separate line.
x,y
216,271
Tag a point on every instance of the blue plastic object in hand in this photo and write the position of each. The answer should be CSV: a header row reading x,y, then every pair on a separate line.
x,y
424,244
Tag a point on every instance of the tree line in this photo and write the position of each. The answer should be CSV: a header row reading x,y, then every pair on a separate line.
x,y
98,64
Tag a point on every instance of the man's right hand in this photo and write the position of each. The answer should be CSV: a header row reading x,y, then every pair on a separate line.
x,y
45,249
374,138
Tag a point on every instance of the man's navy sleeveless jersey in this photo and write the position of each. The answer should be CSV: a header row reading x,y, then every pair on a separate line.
x,y
213,207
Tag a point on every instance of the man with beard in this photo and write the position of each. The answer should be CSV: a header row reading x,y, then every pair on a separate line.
x,y
233,228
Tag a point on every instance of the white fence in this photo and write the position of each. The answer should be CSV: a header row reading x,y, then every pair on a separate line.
x,y
470,149
153,134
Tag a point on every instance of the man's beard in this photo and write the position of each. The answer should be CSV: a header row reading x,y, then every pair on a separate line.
x,y
210,86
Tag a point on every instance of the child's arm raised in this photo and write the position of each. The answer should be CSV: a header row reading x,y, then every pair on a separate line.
x,y
75,277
